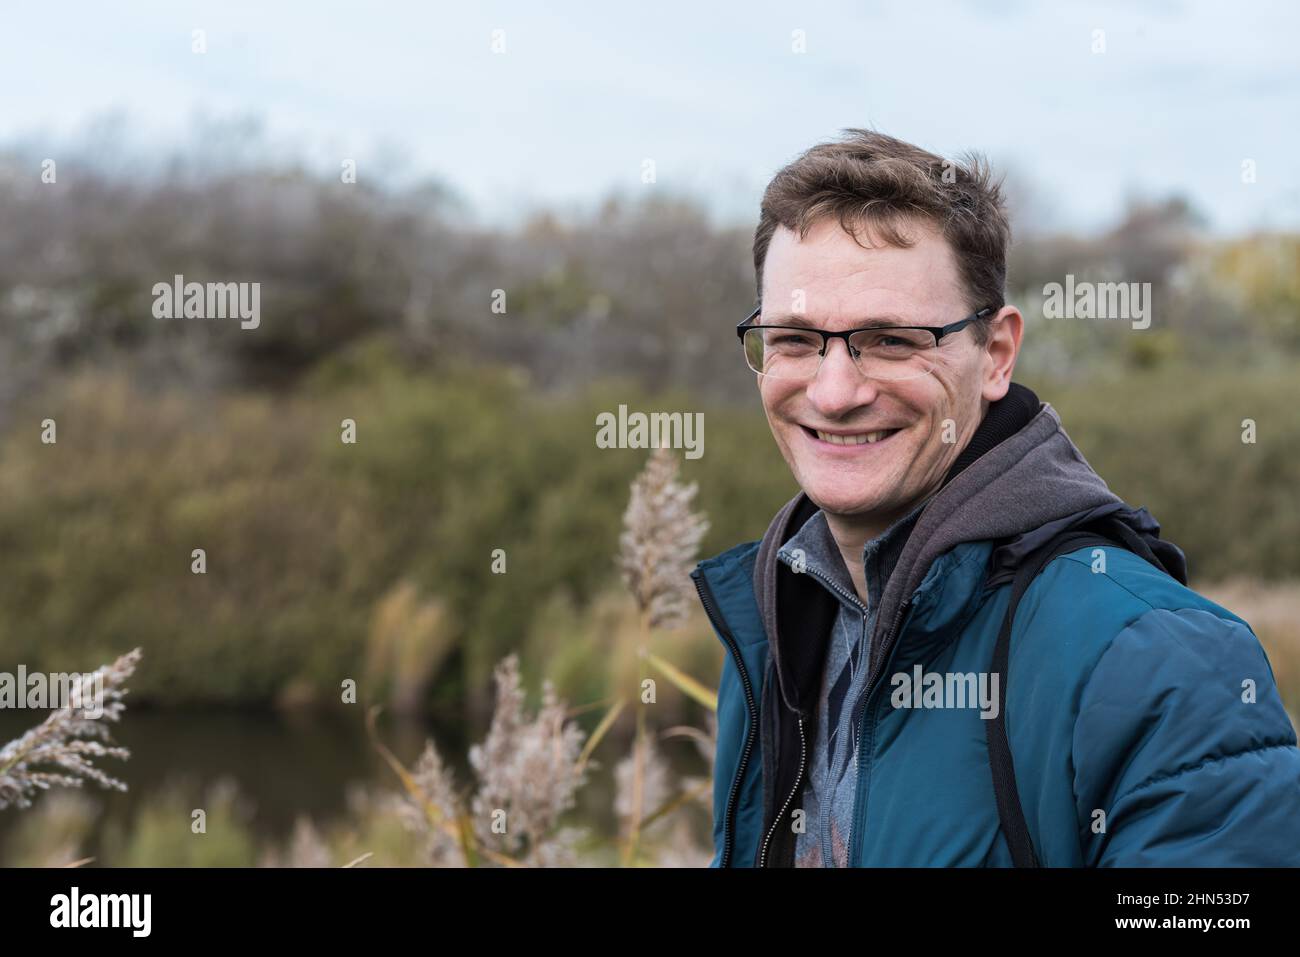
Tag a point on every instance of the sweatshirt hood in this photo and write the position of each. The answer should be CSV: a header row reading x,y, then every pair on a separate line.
x,y
1019,481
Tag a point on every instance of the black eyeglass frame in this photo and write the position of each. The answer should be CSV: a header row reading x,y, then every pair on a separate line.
x,y
937,331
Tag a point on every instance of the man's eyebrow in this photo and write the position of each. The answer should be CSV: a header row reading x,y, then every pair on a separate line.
x,y
886,319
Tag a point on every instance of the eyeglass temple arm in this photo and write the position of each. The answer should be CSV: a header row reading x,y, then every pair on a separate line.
x,y
940,332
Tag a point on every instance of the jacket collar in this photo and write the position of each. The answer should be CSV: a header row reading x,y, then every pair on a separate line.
x,y
813,550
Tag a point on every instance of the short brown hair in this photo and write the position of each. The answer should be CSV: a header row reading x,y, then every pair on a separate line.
x,y
873,180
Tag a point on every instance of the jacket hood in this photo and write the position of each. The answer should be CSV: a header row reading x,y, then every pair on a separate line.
x,y
1019,481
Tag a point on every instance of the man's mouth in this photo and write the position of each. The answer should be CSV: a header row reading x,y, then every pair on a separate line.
x,y
853,438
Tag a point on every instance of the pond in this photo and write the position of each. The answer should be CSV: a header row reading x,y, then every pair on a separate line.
x,y
284,765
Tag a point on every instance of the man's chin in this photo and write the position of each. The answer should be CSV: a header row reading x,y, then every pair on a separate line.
x,y
845,503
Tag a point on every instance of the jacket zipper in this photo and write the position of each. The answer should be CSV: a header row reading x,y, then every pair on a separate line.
x,y
803,748
833,586
711,610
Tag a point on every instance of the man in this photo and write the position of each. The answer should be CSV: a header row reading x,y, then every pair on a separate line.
x,y
1143,722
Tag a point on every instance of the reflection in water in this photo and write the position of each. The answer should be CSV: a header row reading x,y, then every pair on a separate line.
x,y
284,765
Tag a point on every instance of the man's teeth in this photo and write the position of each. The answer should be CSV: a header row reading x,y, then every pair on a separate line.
x,y
863,438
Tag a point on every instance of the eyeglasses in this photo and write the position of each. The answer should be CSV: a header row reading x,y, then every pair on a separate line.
x,y
879,352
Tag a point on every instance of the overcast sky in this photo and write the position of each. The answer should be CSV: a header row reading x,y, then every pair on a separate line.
x,y
711,92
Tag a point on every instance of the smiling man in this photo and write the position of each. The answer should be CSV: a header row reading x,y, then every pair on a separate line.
x,y
949,537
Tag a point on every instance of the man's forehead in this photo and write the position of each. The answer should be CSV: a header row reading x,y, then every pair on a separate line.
x,y
863,234
828,272
857,321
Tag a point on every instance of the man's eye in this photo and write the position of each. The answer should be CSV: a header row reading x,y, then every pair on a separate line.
x,y
792,340
896,343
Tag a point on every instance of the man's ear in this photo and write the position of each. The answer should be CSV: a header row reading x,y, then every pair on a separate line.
x,y
1000,352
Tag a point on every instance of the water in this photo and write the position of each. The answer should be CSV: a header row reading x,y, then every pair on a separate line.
x,y
287,765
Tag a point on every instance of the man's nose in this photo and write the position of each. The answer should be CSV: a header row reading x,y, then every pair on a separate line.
x,y
839,385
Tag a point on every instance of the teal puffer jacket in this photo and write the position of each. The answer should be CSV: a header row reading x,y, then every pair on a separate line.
x,y
1144,720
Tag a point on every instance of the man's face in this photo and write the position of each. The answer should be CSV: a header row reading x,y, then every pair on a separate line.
x,y
844,286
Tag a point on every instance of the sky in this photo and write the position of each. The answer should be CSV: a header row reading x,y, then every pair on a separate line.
x,y
718,95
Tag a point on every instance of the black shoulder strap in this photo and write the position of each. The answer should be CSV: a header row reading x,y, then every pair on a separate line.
x,y
1004,774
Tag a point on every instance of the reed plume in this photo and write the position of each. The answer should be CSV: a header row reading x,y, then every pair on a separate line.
x,y
59,752
660,538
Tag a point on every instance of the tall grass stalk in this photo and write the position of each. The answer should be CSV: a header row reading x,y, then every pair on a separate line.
x,y
661,536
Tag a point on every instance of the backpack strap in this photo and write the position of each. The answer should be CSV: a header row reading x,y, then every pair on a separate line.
x,y
1010,813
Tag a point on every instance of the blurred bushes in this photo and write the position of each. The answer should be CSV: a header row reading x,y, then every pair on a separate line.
x,y
306,537
161,833
630,289
1171,439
